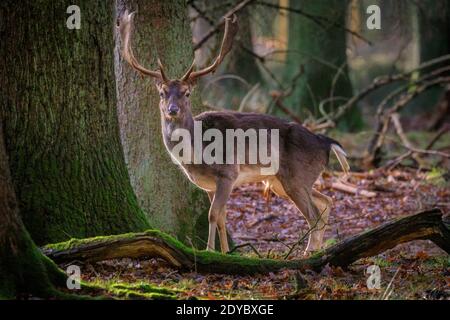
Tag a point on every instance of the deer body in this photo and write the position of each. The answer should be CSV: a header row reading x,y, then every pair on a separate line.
x,y
302,154
309,156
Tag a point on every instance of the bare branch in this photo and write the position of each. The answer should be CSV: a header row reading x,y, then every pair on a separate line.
x,y
383,125
408,145
382,81
220,24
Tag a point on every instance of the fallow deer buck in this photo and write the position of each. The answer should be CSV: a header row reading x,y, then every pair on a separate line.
x,y
302,154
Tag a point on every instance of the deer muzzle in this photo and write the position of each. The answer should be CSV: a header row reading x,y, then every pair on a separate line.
x,y
173,110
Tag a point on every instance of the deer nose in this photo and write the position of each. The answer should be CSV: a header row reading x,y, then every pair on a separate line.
x,y
173,109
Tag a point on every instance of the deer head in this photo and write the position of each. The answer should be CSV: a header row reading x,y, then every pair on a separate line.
x,y
174,93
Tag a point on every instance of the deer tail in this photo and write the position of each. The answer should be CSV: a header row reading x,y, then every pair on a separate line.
x,y
341,156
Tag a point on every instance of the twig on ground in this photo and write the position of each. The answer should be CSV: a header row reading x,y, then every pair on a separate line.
x,y
267,217
348,188
303,237
248,244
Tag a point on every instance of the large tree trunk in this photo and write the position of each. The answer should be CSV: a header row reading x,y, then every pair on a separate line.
x,y
58,103
322,52
23,269
171,202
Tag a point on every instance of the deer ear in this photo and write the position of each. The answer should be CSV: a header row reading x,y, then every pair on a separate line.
x,y
191,84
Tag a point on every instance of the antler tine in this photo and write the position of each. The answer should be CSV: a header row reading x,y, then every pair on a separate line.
x,y
161,71
188,73
231,28
125,26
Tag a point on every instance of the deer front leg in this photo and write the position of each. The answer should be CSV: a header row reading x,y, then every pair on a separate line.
x,y
221,224
217,215
323,204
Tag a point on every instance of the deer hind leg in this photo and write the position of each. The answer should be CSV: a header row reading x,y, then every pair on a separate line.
x,y
217,215
303,199
323,203
210,196
277,188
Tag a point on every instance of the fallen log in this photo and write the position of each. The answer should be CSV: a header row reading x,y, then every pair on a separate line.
x,y
425,225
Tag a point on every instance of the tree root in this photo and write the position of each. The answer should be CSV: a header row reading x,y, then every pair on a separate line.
x,y
425,225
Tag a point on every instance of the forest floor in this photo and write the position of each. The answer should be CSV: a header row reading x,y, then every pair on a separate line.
x,y
417,270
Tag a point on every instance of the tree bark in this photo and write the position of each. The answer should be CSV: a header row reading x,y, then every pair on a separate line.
x,y
58,103
23,268
322,51
171,202
434,41
241,62
434,28
421,226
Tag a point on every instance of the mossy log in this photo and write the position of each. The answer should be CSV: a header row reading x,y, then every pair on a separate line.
x,y
425,225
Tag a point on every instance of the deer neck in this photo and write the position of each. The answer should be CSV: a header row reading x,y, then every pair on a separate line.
x,y
170,125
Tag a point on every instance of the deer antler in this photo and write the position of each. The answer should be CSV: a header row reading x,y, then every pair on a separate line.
x,y
231,28
125,25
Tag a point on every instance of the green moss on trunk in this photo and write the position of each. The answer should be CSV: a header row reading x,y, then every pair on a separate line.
x,y
23,268
58,101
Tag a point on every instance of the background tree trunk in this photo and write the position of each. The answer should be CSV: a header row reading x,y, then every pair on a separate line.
x,y
171,202
241,62
58,103
434,28
434,41
322,51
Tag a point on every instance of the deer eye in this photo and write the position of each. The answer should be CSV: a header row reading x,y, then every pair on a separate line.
x,y
162,95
